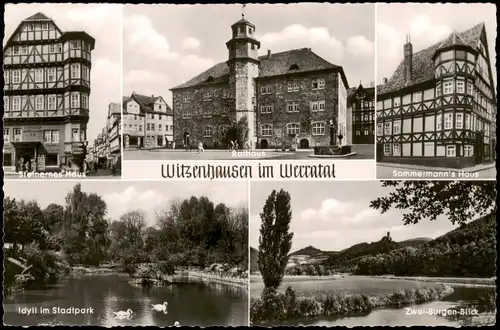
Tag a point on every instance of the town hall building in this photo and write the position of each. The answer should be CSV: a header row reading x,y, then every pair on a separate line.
x,y
285,99
439,107
46,96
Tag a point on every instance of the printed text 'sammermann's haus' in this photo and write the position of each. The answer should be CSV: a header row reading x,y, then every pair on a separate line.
x,y
293,98
46,96
438,108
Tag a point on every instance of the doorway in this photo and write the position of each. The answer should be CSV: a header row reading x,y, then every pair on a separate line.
x,y
304,144
160,141
264,144
186,139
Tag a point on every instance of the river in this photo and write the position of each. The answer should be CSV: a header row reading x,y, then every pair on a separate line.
x,y
463,298
198,304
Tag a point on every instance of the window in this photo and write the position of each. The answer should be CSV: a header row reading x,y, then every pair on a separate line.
x,y
74,44
450,151
366,117
467,121
265,108
18,137
51,74
6,104
439,122
75,70
85,101
396,129
470,88
225,111
296,86
366,132
16,76
290,86
51,137
6,76
45,26
468,151
358,132
24,50
314,106
39,75
31,26
388,128
448,120
85,73
292,107
397,102
396,149
39,102
16,103
379,129
460,86
266,130
293,129
321,105
438,90
186,114
207,113
459,120
6,135
15,50
318,83
387,149
75,100
448,87
58,48
318,128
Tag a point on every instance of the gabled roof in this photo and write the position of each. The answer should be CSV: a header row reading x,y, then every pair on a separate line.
x,y
276,65
114,109
369,92
37,17
423,65
146,103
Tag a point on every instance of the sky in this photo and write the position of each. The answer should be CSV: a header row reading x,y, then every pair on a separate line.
x,y
104,23
338,215
124,196
427,24
166,45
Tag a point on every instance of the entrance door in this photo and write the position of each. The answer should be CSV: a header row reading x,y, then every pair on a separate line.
x,y
160,141
186,139
304,144
479,148
264,144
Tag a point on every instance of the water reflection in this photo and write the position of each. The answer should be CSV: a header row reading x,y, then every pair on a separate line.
x,y
198,304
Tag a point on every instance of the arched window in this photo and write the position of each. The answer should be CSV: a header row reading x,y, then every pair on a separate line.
x,y
294,67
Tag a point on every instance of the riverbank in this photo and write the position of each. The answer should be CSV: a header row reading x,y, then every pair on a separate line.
x,y
243,282
451,281
273,306
90,270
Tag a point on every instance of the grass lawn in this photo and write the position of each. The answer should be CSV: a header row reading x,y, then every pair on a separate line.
x,y
305,285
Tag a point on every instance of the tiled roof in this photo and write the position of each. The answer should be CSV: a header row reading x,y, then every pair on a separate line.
x,y
38,17
114,108
276,65
423,66
368,91
146,103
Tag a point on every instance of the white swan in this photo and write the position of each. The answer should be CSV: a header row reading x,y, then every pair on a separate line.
x,y
123,314
160,307
176,324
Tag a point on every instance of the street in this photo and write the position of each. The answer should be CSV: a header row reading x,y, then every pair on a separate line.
x,y
102,173
386,171
362,152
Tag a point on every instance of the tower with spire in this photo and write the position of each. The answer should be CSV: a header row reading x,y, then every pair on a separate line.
x,y
243,63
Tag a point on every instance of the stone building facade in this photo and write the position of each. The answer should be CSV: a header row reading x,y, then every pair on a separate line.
x,y
291,98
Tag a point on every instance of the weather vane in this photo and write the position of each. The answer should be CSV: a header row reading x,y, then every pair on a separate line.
x,y
243,10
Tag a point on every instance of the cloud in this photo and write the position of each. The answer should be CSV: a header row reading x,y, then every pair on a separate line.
x,y
195,62
190,43
133,199
143,38
318,38
360,46
144,76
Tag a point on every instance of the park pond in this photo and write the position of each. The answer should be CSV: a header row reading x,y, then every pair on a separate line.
x,y
194,304
468,295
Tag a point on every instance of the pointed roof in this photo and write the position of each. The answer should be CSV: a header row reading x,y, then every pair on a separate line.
x,y
146,103
422,63
453,40
276,65
38,17
369,92
243,21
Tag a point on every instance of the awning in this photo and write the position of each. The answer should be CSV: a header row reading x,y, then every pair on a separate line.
x,y
27,144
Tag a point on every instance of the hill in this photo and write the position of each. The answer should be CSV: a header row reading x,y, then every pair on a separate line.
x,y
415,241
254,257
307,251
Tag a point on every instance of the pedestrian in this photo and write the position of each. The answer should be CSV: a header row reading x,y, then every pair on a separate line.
x,y
173,145
200,147
21,166
232,145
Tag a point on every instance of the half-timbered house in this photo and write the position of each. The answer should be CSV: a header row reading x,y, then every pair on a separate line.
x,y
361,105
439,107
46,96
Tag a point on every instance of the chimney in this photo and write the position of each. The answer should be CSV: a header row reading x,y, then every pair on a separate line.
x,y
268,53
408,60
384,80
152,96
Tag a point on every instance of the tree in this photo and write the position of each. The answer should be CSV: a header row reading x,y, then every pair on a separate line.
x,y
460,201
275,240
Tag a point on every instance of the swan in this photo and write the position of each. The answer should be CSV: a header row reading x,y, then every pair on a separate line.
x,y
176,324
123,314
160,307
